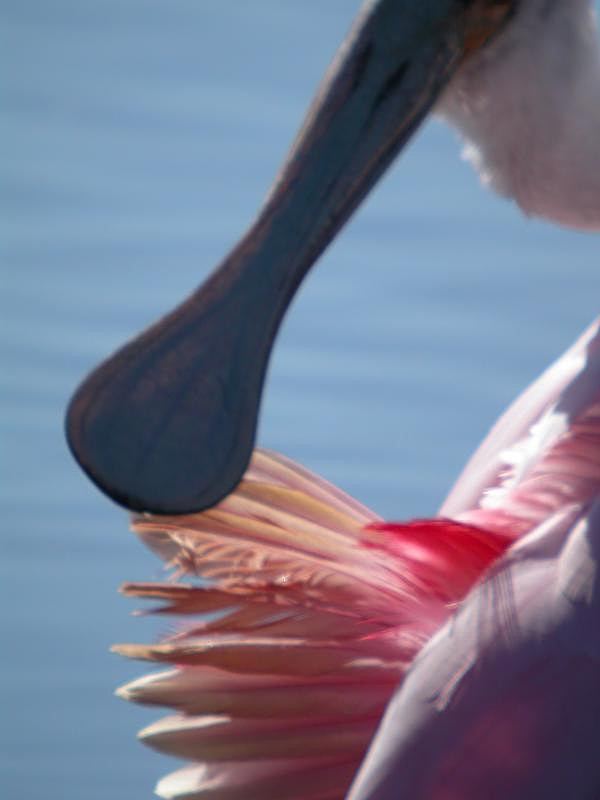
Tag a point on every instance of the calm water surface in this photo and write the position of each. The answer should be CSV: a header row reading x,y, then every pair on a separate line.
x,y
139,138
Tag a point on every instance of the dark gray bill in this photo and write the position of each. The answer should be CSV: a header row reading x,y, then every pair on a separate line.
x,y
167,424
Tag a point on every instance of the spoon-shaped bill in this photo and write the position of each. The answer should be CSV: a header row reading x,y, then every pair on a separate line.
x,y
167,424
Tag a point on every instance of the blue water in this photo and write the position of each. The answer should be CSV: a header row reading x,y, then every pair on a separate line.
x,y
138,138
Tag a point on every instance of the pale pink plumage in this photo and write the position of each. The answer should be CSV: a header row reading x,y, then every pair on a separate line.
x,y
321,607
312,609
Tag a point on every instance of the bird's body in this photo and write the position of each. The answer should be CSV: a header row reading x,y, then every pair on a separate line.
x,y
505,700
312,610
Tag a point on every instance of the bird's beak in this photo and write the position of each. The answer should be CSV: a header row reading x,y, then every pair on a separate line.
x,y
167,424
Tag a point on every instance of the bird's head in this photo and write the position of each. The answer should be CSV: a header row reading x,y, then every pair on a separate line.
x,y
167,424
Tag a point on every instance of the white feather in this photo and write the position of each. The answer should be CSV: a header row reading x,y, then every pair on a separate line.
x,y
528,106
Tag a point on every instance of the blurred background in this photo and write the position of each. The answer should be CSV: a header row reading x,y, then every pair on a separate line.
x,y
139,138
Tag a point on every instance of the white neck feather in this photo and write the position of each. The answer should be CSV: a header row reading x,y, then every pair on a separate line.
x,y
528,106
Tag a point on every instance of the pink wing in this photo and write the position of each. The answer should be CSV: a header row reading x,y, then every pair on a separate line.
x,y
301,626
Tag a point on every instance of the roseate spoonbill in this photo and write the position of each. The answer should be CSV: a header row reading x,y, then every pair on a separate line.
x,y
321,607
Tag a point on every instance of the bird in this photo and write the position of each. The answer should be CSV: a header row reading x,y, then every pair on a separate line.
x,y
336,655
